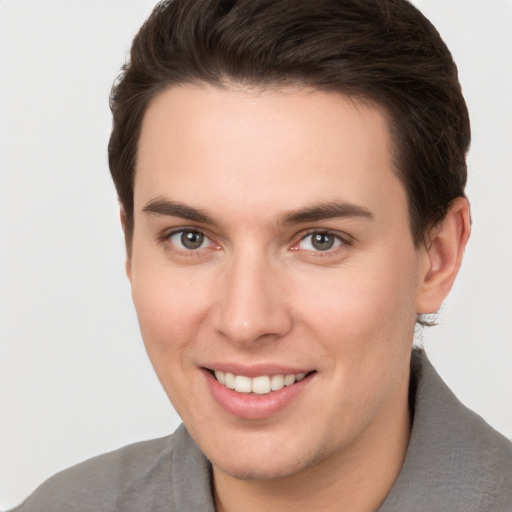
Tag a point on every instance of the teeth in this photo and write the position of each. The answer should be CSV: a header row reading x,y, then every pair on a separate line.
x,y
242,384
260,385
229,379
276,382
289,379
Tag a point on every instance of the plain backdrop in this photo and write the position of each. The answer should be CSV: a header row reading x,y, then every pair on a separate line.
x,y
74,377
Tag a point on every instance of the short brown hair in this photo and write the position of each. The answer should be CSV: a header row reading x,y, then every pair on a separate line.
x,y
385,51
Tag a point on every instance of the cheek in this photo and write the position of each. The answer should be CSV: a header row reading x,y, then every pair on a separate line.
x,y
358,306
169,318
170,308
363,319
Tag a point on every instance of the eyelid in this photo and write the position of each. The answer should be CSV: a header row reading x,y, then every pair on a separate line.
x,y
164,237
344,238
166,233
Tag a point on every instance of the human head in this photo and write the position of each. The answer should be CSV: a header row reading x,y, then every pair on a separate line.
x,y
234,175
382,51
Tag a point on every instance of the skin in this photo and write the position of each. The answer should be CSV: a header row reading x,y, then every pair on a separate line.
x,y
257,292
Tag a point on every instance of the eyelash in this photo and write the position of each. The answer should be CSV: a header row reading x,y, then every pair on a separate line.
x,y
341,241
166,239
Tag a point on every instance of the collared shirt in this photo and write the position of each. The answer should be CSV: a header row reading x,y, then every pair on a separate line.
x,y
454,462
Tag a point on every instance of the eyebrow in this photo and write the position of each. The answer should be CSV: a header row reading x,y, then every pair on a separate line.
x,y
317,212
174,209
324,211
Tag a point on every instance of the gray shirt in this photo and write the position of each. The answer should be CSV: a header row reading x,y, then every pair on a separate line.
x,y
454,462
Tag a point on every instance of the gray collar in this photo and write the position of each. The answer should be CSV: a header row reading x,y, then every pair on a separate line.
x,y
455,461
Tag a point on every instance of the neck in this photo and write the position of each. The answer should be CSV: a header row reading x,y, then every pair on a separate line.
x,y
359,477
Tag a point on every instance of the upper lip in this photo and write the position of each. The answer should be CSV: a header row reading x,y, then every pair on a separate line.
x,y
256,370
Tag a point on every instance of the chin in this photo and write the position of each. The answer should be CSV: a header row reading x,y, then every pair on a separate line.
x,y
264,463
264,470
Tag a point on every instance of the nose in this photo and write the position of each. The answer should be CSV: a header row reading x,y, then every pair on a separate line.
x,y
252,303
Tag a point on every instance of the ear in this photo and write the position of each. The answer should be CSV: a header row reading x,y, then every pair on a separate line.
x,y
128,263
443,256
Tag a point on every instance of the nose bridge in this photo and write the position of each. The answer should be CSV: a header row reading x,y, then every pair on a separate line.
x,y
251,304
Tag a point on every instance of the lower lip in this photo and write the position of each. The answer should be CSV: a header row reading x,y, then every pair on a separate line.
x,y
252,406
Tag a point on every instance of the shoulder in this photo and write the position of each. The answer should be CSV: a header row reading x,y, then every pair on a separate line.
x,y
455,460
136,477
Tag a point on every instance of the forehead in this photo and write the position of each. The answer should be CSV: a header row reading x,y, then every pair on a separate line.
x,y
265,149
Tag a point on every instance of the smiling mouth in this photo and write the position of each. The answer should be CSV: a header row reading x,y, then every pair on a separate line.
x,y
260,385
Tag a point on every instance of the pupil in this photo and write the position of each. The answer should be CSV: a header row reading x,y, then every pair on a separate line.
x,y
192,239
322,241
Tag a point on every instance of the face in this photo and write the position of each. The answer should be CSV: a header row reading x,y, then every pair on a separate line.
x,y
272,253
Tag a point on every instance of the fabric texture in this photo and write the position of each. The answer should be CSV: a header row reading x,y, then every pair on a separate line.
x,y
454,462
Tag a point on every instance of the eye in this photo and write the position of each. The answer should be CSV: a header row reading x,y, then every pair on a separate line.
x,y
189,240
320,241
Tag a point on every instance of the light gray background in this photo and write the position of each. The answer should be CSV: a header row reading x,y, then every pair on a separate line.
x,y
74,378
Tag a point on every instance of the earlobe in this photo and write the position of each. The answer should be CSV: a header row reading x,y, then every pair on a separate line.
x,y
443,256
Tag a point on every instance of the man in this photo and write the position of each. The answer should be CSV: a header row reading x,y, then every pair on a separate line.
x,y
291,177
